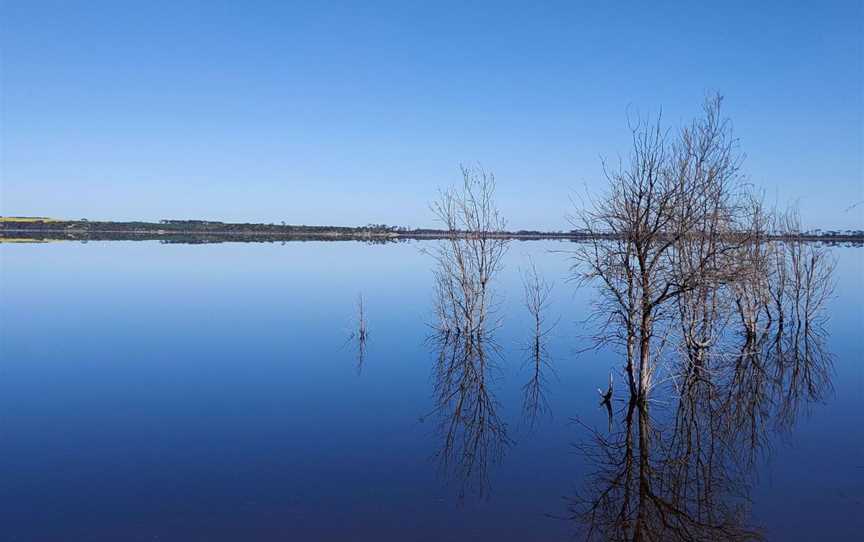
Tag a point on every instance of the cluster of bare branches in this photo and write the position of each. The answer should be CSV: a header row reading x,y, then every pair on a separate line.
x,y
681,245
472,253
701,283
472,433
783,355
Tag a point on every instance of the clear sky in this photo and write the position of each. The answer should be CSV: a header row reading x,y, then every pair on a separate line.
x,y
350,113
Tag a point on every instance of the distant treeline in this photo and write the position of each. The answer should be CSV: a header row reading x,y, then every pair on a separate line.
x,y
205,231
166,229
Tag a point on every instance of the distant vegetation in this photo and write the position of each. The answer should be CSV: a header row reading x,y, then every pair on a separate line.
x,y
207,231
214,231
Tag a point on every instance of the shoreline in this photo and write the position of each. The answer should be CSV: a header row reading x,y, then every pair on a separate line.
x,y
191,236
36,229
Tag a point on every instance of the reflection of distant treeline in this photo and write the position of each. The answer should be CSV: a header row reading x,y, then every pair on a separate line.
x,y
203,231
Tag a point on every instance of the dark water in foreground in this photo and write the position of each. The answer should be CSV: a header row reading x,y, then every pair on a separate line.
x,y
214,392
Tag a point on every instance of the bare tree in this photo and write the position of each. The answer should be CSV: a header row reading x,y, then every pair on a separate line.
x,y
698,278
472,433
663,232
472,253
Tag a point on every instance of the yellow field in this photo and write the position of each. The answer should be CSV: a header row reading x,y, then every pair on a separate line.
x,y
27,219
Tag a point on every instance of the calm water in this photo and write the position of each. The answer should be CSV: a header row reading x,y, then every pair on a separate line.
x,y
215,392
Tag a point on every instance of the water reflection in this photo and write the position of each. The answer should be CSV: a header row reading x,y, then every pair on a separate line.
x,y
472,434
295,442
749,360
740,359
684,474
359,334
649,484
538,295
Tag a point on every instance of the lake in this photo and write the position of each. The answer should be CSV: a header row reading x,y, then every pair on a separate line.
x,y
229,391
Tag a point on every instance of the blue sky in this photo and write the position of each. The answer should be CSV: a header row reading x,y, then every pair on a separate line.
x,y
349,113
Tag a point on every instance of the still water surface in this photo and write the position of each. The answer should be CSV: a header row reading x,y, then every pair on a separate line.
x,y
216,392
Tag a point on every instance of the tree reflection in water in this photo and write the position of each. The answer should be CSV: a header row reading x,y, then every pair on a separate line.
x,y
472,434
678,469
719,325
538,296
359,334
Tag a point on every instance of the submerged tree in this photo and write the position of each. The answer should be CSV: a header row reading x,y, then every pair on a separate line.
x,y
472,433
693,280
682,473
359,333
472,252
665,239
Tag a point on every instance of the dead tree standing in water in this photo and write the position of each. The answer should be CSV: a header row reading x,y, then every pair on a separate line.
x,y
472,433
661,232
